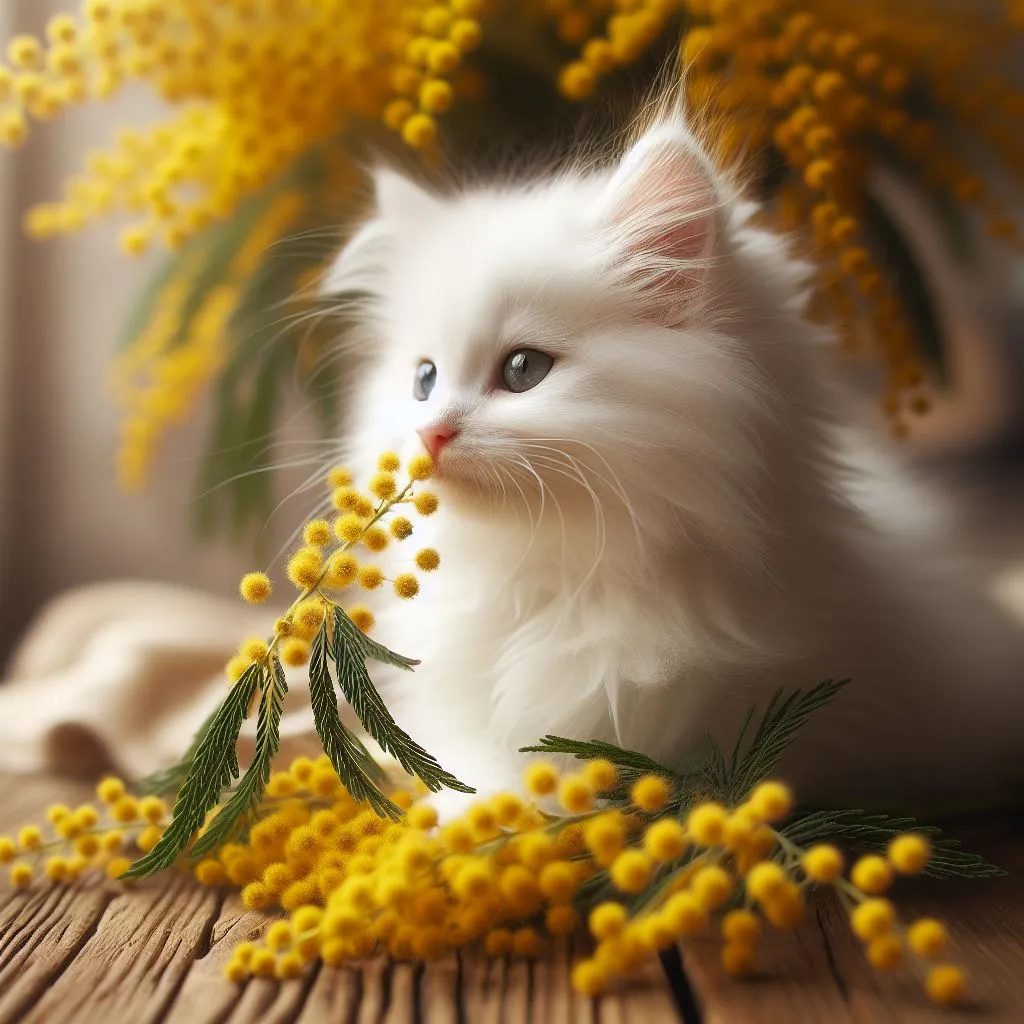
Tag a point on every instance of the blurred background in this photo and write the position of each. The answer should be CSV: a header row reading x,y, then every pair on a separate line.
x,y
64,521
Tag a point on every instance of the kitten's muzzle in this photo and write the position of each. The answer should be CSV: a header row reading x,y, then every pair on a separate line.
x,y
436,437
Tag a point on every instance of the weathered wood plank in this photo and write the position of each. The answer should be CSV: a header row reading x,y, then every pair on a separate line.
x,y
41,934
819,973
137,958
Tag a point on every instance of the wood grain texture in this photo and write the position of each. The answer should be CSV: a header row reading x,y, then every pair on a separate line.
x,y
98,953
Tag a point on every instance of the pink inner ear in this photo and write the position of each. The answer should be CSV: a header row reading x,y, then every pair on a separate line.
x,y
662,200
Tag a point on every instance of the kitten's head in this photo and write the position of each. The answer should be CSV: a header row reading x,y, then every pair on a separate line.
x,y
577,346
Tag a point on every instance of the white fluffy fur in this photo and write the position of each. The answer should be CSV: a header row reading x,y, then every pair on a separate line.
x,y
672,525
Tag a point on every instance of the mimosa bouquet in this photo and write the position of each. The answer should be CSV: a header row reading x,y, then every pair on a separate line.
x,y
250,181
641,854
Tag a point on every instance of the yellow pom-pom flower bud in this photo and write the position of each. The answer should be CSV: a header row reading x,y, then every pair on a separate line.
x,y
401,528
607,920
279,935
589,978
685,915
362,617
927,937
771,801
30,838
421,467
561,920
706,824
255,587
872,919
210,872
257,896
742,926
308,616
665,840
909,853
601,774
152,809
125,810
349,528
110,790
651,793
946,984
305,568
885,953
370,577
21,875
345,499
236,667
577,80
317,533
540,778
871,874
576,794
631,871
254,649
117,867
426,503
419,131
765,881
295,652
823,863
25,52
375,539
339,477
383,485
342,569
8,849
389,462
712,886
428,559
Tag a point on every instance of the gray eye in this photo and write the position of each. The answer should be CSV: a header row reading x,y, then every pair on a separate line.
x,y
525,369
424,380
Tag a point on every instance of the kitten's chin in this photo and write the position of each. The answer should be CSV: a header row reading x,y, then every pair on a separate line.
x,y
463,483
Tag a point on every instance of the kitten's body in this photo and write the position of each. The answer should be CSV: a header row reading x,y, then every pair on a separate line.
x,y
669,526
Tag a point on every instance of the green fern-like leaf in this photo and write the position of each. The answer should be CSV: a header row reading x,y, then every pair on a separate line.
x,y
357,770
252,784
780,725
213,768
366,702
876,831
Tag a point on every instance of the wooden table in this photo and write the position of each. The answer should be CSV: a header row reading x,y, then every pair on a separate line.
x,y
95,953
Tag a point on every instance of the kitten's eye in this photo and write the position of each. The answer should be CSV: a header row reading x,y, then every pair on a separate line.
x,y
525,369
424,381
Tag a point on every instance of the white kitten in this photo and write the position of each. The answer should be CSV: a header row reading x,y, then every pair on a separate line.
x,y
649,517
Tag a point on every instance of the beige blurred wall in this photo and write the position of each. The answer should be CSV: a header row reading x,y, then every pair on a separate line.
x,y
63,521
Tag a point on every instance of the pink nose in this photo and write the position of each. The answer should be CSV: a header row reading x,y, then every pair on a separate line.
x,y
436,437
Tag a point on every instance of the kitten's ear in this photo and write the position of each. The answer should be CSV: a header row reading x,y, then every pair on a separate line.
x,y
399,199
661,205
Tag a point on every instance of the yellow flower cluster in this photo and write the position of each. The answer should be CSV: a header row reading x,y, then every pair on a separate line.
x,y
258,85
88,838
830,88
641,873
326,565
511,877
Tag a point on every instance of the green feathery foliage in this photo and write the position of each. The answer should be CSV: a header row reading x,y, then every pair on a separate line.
x,y
213,768
731,779
350,651
211,765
